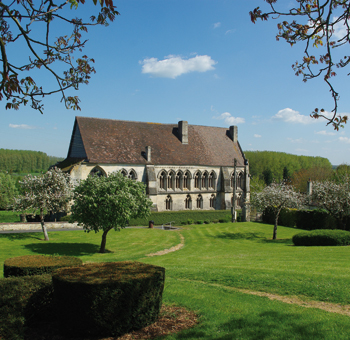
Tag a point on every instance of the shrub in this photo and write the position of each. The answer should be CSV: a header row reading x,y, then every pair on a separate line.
x,y
315,219
322,237
108,299
183,223
215,221
207,221
164,217
200,222
37,264
190,221
24,301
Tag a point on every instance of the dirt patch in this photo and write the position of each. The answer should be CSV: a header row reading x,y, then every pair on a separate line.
x,y
327,306
166,251
172,319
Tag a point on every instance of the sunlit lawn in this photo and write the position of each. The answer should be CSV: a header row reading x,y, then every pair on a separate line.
x,y
216,258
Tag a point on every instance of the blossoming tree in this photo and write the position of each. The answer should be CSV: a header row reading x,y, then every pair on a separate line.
x,y
334,197
277,196
105,203
50,192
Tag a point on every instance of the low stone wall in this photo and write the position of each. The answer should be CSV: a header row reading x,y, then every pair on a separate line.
x,y
36,226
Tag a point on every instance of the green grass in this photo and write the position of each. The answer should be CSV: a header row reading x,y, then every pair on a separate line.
x,y
9,216
215,259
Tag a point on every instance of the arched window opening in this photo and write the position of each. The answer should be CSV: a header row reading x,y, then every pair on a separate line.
x,y
197,180
132,174
212,201
168,203
211,180
178,180
240,181
97,171
205,181
232,179
162,180
188,202
171,180
186,180
124,173
199,202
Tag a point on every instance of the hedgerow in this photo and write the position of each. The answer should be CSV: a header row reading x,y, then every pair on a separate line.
x,y
322,237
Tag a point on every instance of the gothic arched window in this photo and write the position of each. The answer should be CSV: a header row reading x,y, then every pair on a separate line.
x,y
199,202
240,181
186,180
188,202
132,174
212,201
171,180
162,180
197,178
211,180
178,180
97,171
168,203
123,172
205,180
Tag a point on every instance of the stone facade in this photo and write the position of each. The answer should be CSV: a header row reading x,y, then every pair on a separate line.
x,y
183,166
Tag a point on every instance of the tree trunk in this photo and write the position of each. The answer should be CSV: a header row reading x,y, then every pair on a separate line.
x,y
275,227
43,227
104,240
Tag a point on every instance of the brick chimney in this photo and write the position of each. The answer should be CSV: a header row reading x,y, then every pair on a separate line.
x,y
183,131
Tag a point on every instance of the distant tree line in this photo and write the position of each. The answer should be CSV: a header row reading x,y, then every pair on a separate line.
x,y
268,166
24,161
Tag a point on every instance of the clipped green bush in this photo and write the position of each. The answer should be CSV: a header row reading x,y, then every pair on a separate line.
x,y
207,221
164,217
322,237
24,302
200,222
108,299
37,264
190,221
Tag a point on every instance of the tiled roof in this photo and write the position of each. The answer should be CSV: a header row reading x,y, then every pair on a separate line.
x,y
124,142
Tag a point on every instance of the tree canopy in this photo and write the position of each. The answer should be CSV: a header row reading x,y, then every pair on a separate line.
x,y
320,24
50,192
25,161
106,203
31,27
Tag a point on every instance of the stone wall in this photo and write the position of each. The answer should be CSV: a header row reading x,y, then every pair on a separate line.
x,y
36,226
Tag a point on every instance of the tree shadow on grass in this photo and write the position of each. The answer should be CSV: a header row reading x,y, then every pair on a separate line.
x,y
64,249
242,236
287,241
266,325
22,236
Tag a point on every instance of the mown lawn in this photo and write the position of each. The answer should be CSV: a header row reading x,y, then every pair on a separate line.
x,y
215,258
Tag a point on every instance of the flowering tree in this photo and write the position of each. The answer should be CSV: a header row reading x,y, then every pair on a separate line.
x,y
48,39
51,191
324,24
105,203
277,196
334,197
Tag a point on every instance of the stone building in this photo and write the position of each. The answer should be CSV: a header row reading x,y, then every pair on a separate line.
x,y
183,166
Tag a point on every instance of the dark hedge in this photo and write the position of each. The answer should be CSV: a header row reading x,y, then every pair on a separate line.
x,y
24,301
37,264
108,299
180,217
322,237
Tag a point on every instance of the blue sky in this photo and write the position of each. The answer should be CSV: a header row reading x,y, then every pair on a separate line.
x,y
196,60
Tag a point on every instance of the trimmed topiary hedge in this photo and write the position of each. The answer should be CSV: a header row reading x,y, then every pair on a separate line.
x,y
37,264
322,237
108,299
178,217
24,301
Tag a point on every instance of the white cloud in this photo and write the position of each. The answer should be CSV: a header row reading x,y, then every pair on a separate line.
x,y
291,116
325,133
229,119
22,126
230,31
340,30
299,140
257,136
345,139
217,25
174,66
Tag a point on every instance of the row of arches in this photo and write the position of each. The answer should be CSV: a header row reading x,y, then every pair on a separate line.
x,y
189,204
97,171
180,180
240,180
